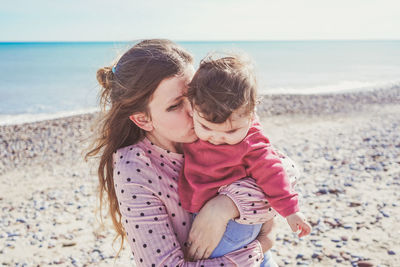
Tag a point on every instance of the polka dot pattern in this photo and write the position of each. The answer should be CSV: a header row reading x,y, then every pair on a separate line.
x,y
149,203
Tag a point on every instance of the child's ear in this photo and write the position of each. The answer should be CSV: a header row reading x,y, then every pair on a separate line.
x,y
142,121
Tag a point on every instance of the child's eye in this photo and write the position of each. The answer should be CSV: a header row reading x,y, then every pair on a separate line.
x,y
231,131
205,128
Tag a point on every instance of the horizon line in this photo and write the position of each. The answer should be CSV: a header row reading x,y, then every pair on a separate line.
x,y
195,40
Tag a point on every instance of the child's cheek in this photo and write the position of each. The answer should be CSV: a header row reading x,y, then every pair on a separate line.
x,y
197,132
203,135
237,138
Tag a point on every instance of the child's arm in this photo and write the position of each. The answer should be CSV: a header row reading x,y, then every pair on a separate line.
x,y
265,166
250,199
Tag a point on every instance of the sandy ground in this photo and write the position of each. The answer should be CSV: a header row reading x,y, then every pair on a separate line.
x,y
350,187
350,191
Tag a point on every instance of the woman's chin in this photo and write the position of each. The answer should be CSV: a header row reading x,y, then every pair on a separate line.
x,y
193,139
190,138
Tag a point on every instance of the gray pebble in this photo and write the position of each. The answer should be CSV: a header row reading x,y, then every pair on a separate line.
x,y
384,213
391,252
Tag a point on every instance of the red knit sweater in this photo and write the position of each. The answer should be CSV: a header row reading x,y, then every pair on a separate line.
x,y
208,167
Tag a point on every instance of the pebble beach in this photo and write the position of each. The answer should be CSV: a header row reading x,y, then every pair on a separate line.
x,y
347,146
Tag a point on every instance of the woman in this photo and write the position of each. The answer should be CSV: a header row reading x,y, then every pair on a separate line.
x,y
140,158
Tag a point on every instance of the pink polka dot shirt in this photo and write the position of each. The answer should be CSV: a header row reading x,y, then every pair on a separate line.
x,y
156,225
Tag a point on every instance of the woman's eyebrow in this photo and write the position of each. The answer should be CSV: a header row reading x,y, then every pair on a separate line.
x,y
175,99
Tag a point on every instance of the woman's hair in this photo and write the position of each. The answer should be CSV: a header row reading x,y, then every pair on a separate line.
x,y
223,85
127,88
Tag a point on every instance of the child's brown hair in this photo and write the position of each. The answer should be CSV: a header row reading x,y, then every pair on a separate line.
x,y
221,86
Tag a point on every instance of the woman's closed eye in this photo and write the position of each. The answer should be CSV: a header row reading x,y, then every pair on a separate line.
x,y
173,107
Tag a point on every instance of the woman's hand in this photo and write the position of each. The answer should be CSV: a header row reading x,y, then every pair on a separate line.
x,y
266,237
209,226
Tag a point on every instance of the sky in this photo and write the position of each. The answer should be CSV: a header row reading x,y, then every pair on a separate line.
x,y
186,20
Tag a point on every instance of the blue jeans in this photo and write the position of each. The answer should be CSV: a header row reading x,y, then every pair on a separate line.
x,y
237,236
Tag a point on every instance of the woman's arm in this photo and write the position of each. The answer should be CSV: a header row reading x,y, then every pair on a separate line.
x,y
216,213
153,240
149,226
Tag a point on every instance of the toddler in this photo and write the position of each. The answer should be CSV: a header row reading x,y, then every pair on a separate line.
x,y
231,146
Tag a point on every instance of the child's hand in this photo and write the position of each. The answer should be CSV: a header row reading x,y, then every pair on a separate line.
x,y
297,221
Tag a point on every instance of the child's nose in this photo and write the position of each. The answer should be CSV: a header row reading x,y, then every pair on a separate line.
x,y
218,137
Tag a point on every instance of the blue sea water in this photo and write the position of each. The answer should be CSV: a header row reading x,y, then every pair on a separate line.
x,y
41,80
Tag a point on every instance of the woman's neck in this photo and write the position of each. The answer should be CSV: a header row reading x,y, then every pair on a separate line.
x,y
163,143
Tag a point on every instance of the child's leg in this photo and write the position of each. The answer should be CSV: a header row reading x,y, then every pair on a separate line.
x,y
235,237
269,235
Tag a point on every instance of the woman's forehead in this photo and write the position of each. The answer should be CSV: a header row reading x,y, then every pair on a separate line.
x,y
172,88
169,90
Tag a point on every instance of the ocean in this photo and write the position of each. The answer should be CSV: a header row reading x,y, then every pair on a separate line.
x,y
48,80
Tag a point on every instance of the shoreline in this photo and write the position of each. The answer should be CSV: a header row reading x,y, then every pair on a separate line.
x,y
18,119
270,104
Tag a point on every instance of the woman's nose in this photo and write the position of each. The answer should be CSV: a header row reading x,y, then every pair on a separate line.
x,y
189,108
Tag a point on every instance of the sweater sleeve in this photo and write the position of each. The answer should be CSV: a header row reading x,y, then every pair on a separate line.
x,y
149,230
250,200
265,166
